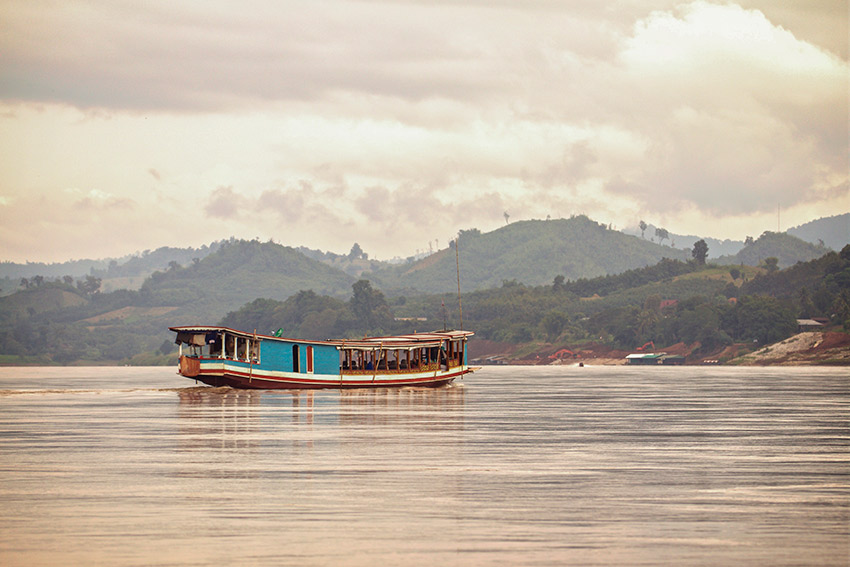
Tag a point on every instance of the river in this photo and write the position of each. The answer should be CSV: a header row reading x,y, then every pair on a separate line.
x,y
512,466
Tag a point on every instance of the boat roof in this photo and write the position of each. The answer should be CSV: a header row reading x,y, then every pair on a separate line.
x,y
647,355
433,338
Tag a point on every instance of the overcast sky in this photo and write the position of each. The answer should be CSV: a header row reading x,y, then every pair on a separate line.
x,y
127,125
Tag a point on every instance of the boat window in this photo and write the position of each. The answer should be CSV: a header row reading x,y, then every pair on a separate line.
x,y
309,359
296,355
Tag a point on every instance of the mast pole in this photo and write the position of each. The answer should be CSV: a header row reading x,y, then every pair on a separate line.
x,y
457,263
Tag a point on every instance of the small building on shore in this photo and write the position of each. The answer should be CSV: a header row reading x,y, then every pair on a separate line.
x,y
655,358
809,325
647,358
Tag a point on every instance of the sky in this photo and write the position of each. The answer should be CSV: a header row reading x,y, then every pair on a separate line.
x,y
126,126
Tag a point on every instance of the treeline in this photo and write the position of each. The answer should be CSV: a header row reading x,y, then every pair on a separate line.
x,y
664,270
43,341
309,315
87,285
61,323
668,303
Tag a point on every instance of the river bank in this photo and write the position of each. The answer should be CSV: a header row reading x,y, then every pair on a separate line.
x,y
811,348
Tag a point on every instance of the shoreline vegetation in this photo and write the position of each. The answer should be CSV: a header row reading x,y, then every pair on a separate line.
x,y
787,309
808,348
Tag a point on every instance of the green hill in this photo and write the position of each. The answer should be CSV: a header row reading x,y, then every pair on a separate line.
x,y
786,248
833,231
49,324
820,278
237,273
46,298
530,252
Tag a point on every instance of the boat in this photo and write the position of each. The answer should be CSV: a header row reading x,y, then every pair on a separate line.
x,y
220,356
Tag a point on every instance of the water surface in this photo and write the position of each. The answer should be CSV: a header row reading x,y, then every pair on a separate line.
x,y
512,466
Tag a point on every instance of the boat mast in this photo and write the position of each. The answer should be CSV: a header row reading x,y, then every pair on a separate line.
x,y
457,263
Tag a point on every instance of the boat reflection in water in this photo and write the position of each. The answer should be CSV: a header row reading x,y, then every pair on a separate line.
x,y
238,419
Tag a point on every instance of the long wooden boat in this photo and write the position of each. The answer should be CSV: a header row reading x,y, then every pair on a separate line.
x,y
220,356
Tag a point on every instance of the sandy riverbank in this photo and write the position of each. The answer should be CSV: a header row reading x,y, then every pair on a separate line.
x,y
808,348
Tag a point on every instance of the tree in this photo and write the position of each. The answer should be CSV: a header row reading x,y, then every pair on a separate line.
x,y
762,318
356,252
748,241
507,216
771,264
662,234
89,286
643,226
735,273
700,251
369,306
558,283
468,234
554,323
807,307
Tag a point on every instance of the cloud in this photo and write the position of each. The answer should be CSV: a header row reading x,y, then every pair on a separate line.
x,y
94,201
391,122
224,204
739,113
287,205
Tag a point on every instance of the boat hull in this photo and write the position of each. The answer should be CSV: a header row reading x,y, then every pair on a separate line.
x,y
216,374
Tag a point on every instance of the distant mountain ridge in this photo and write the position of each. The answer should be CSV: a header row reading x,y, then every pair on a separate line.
x,y
787,249
532,280
833,231
716,247
237,273
531,252
127,272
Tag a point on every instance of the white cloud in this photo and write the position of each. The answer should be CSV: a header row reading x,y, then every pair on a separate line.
x,y
392,123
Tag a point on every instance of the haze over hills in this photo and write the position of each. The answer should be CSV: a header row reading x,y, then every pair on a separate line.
x,y
716,247
58,322
237,273
787,249
530,252
833,232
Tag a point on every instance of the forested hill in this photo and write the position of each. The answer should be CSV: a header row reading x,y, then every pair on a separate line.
x,y
833,231
239,272
54,321
787,249
530,252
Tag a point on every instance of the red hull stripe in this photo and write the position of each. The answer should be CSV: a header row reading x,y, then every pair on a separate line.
x,y
216,377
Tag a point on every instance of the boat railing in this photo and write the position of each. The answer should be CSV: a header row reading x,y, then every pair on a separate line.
x,y
432,367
